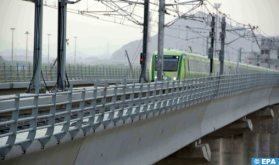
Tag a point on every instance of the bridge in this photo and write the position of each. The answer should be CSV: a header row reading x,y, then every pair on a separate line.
x,y
16,78
113,115
137,123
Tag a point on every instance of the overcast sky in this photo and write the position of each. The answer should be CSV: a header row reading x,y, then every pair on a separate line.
x,y
95,35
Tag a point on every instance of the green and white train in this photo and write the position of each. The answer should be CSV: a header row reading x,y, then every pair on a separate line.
x,y
179,65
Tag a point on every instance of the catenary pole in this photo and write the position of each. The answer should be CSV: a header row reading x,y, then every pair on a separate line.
x,y
211,49
161,40
222,52
145,39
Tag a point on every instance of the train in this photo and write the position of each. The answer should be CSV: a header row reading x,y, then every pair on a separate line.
x,y
179,65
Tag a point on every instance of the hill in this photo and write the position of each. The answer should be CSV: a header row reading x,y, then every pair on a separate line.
x,y
176,37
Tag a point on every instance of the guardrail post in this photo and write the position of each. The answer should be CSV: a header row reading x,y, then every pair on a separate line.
x,y
93,109
67,117
33,124
81,71
24,72
51,122
143,114
159,98
17,72
122,105
104,72
116,72
121,73
103,107
93,72
131,106
29,72
79,122
77,72
4,69
11,73
51,76
46,76
152,106
13,128
167,96
109,72
96,72
99,70
74,72
90,78
85,73
113,101
69,71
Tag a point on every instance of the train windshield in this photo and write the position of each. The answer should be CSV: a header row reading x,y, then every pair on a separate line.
x,y
170,63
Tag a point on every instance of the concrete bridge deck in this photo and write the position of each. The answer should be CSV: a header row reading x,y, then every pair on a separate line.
x,y
145,132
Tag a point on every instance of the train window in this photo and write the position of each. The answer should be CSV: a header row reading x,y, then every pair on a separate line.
x,y
207,67
170,63
203,67
198,66
217,68
191,65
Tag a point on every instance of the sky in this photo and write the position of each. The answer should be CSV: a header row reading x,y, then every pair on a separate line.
x,y
96,37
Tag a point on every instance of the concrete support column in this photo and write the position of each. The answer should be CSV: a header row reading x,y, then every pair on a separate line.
x,y
237,150
251,146
264,145
274,146
226,151
192,154
215,150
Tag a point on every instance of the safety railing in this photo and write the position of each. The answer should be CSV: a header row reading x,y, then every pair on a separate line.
x,y
22,73
87,109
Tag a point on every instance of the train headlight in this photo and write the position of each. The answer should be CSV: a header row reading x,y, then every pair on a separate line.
x,y
174,78
155,77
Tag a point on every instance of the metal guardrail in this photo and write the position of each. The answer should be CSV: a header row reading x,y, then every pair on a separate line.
x,y
56,114
21,73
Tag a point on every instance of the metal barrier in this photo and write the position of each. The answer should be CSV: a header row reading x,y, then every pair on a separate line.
x,y
87,109
21,73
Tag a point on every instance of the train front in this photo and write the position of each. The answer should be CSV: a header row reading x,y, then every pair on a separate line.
x,y
171,65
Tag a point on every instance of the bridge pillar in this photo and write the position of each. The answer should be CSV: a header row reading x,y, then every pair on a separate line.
x,y
263,140
195,153
226,151
261,115
274,146
234,128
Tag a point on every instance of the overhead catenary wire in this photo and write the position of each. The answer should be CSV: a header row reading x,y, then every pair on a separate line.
x,y
239,33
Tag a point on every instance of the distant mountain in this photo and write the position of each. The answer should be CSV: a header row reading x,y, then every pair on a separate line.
x,y
1,59
20,57
88,59
176,37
